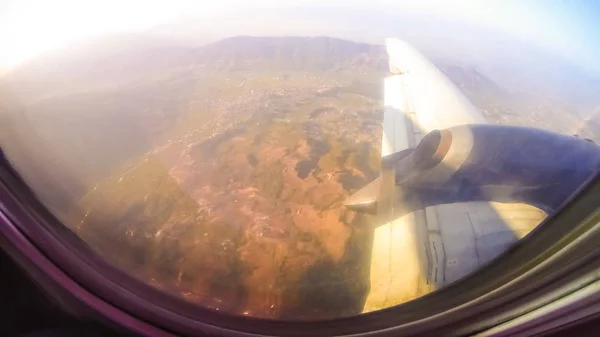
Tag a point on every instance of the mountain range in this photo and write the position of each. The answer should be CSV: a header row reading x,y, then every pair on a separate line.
x,y
128,60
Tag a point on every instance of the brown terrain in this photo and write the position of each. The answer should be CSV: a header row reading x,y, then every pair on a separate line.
x,y
238,221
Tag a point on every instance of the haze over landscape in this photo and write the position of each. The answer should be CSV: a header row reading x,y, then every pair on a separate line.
x,y
211,158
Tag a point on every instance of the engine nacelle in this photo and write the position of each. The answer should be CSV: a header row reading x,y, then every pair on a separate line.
x,y
482,162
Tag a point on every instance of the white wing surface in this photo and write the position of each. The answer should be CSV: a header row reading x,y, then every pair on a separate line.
x,y
421,251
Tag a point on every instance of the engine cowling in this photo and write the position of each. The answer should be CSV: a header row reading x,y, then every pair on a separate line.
x,y
482,162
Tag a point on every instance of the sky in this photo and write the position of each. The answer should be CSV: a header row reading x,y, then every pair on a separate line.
x,y
29,28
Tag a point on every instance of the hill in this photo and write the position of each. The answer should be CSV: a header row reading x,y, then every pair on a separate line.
x,y
292,53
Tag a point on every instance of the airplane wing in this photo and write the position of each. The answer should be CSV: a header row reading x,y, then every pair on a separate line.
x,y
419,251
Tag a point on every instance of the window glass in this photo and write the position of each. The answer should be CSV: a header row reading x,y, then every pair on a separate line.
x,y
288,162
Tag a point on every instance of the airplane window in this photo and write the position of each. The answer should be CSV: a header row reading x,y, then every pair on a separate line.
x,y
300,166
